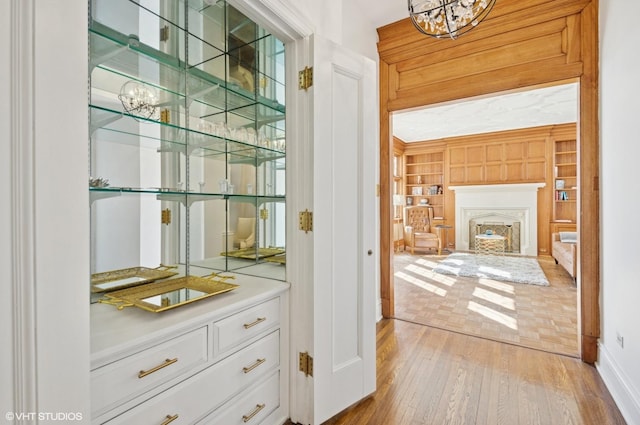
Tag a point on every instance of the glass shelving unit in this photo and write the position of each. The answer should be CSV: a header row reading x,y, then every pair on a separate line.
x,y
187,139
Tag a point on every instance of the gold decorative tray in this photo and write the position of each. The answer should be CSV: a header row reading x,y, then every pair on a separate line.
x,y
251,254
124,278
157,297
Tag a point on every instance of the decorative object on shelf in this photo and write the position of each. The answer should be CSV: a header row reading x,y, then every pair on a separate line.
x,y
409,201
253,253
157,297
124,278
424,201
452,18
139,99
435,190
416,191
559,184
98,182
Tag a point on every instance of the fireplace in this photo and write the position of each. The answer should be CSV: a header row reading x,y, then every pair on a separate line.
x,y
509,229
510,208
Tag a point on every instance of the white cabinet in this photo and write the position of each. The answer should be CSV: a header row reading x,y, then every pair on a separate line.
x,y
220,360
116,382
251,408
187,164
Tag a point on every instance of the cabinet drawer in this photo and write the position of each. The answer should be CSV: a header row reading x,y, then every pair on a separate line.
x,y
244,325
250,408
126,378
192,399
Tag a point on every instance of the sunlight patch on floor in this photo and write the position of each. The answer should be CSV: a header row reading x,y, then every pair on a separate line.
x,y
421,284
444,279
428,273
491,314
426,263
494,298
497,285
419,270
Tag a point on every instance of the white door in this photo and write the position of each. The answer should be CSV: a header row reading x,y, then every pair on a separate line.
x,y
341,325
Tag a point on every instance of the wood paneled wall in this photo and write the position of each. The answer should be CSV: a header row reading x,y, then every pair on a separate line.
x,y
528,43
515,156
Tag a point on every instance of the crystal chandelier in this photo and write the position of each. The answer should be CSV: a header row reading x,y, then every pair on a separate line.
x,y
452,18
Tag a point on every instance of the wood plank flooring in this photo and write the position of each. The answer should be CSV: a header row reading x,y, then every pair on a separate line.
x,y
541,317
427,375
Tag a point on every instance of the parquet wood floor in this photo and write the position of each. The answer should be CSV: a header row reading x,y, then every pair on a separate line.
x,y
540,317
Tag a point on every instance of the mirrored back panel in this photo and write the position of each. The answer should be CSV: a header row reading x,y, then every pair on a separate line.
x,y
187,142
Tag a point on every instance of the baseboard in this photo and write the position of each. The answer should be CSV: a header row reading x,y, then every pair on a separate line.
x,y
626,397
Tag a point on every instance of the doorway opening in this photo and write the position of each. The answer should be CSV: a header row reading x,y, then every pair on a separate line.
x,y
538,317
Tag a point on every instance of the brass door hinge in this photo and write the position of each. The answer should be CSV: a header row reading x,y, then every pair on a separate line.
x,y
306,364
164,33
305,78
166,216
165,116
305,220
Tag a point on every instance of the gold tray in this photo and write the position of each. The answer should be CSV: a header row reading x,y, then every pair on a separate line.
x,y
251,254
157,297
124,278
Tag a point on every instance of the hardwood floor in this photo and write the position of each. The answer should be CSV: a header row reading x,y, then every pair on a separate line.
x,y
541,317
432,376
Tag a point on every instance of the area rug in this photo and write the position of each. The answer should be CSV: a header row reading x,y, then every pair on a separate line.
x,y
503,268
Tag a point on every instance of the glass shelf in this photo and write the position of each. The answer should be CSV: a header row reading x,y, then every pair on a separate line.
x,y
200,150
128,58
120,127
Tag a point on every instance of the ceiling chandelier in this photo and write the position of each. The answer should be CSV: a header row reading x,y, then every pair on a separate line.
x,y
451,18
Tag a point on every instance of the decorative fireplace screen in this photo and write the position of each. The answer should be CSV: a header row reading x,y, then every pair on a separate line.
x,y
509,231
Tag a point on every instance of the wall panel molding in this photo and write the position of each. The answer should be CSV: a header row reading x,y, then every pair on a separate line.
x,y
22,206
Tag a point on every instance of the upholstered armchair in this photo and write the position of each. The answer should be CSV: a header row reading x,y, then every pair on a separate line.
x,y
418,233
245,234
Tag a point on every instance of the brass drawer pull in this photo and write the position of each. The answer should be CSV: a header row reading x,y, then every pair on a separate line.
x,y
252,324
258,362
166,363
247,418
170,419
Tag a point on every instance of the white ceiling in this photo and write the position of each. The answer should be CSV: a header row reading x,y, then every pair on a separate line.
x,y
532,108
551,105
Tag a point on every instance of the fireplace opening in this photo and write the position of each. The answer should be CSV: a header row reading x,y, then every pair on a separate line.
x,y
511,231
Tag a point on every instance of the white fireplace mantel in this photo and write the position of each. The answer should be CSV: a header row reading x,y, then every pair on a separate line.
x,y
518,201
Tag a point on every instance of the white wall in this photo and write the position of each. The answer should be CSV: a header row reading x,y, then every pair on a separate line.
x,y
44,223
620,150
